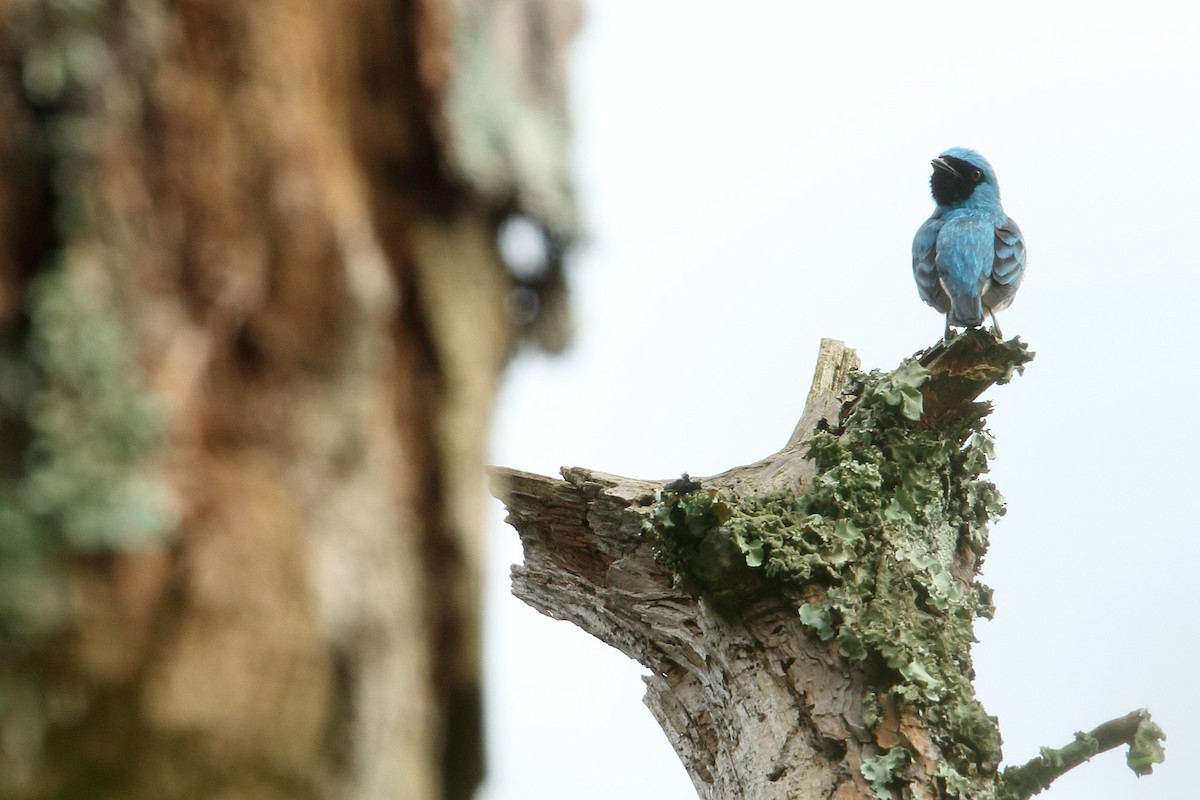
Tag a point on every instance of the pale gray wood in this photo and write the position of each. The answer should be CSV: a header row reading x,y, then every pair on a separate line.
x,y
752,705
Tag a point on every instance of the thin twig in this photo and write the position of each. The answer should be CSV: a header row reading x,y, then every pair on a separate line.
x,y
1135,729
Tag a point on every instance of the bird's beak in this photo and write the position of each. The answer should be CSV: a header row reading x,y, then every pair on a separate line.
x,y
944,166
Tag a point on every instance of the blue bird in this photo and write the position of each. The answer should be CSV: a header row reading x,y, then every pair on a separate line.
x,y
969,256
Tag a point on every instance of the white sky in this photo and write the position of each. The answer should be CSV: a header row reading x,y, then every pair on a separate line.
x,y
751,180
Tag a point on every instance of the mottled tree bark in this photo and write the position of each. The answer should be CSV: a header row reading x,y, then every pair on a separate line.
x,y
283,217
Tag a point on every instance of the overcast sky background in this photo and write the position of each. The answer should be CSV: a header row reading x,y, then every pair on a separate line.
x,y
751,176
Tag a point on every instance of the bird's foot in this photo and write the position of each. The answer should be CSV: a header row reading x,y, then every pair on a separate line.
x,y
995,326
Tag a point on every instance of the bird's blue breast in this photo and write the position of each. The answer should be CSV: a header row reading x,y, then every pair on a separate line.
x,y
965,252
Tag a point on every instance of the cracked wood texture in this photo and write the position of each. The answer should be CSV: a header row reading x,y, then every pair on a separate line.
x,y
754,706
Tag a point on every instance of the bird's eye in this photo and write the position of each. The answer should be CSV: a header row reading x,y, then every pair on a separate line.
x,y
977,175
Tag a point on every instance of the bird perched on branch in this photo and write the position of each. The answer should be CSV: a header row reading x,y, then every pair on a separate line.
x,y
969,256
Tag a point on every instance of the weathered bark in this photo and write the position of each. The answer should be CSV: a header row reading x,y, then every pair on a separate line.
x,y
271,227
758,700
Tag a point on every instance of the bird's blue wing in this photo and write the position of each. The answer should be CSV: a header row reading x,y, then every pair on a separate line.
x,y
1010,254
1009,266
924,253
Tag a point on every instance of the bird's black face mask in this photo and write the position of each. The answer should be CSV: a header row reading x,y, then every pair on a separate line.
x,y
954,182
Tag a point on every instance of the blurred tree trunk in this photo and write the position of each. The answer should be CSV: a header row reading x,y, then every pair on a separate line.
x,y
253,313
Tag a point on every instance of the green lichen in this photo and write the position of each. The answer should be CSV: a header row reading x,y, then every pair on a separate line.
x,y
880,553
507,132
79,434
95,430
880,771
76,478
1146,749
85,482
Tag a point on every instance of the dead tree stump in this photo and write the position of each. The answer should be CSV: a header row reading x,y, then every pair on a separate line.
x,y
806,619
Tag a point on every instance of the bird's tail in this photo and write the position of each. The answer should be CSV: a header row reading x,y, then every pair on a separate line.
x,y
966,312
